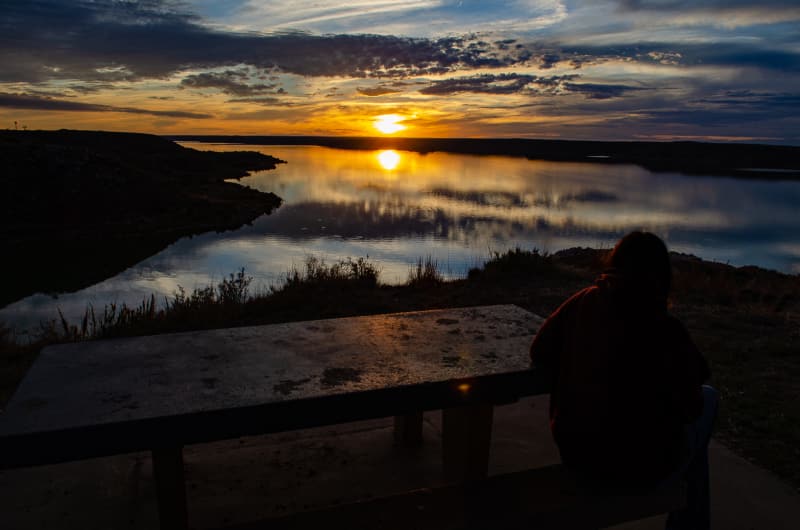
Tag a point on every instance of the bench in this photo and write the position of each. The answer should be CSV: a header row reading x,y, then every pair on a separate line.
x,y
541,498
160,393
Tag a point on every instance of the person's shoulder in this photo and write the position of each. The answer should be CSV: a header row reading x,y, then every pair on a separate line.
x,y
569,305
591,291
587,299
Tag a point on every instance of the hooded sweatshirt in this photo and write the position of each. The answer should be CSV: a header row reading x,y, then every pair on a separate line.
x,y
625,378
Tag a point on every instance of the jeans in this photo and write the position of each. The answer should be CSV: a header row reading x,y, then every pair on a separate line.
x,y
696,515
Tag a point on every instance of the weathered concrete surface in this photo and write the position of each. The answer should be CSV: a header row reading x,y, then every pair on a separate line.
x,y
141,378
243,480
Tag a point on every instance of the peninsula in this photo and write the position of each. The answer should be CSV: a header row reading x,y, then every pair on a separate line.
x,y
92,204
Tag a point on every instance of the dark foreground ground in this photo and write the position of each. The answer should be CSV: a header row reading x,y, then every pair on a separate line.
x,y
244,480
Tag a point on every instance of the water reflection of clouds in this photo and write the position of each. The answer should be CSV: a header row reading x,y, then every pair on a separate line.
x,y
456,209
493,200
508,188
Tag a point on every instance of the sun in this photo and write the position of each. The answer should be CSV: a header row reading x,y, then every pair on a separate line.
x,y
389,123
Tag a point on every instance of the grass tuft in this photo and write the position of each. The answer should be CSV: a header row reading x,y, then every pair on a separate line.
x,y
425,274
359,272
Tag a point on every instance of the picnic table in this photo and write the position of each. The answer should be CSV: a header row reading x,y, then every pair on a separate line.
x,y
160,393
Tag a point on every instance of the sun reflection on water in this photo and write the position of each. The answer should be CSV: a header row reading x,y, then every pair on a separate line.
x,y
389,159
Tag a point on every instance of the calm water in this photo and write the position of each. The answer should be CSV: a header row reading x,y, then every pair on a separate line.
x,y
398,206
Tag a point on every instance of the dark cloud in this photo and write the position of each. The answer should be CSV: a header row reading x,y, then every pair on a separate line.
x,y
530,84
230,82
600,91
92,87
481,84
376,91
268,101
703,54
759,101
35,102
108,40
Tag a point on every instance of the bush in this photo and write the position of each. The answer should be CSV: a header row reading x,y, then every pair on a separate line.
x,y
360,272
514,264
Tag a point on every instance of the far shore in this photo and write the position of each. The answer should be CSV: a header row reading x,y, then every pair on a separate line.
x,y
773,162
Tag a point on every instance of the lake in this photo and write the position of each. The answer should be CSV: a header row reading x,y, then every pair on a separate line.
x,y
396,207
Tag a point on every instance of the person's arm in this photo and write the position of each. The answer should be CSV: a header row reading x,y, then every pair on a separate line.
x,y
545,352
696,372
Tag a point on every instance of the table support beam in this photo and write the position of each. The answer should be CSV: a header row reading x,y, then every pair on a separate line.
x,y
408,429
466,437
170,488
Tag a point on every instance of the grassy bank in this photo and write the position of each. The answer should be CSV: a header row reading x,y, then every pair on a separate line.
x,y
746,320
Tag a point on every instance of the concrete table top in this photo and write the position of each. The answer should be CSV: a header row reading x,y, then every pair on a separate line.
x,y
111,396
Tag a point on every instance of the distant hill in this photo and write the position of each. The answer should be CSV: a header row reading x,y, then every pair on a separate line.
x,y
77,207
743,160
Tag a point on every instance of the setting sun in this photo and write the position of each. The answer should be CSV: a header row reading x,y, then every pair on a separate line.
x,y
389,123
389,159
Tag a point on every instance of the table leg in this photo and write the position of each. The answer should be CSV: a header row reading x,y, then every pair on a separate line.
x,y
408,429
466,437
170,488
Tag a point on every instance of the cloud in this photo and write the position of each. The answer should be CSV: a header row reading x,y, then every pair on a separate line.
x,y
266,101
727,14
105,40
526,84
760,101
482,84
110,41
600,91
690,5
726,54
421,18
25,101
376,91
668,63
230,82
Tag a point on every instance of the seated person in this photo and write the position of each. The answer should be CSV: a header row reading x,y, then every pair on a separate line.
x,y
627,406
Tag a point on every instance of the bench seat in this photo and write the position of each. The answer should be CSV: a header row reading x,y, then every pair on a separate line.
x,y
545,497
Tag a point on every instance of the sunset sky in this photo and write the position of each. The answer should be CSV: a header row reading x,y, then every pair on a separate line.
x,y
616,69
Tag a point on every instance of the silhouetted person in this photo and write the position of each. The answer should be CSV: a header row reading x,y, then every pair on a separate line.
x,y
628,407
